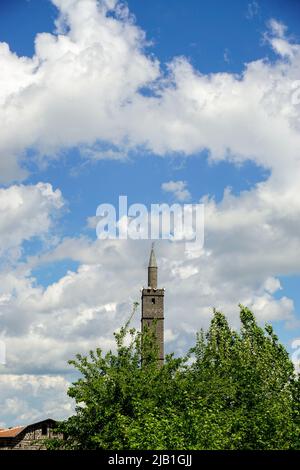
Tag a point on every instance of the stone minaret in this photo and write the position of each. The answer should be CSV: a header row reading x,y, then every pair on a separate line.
x,y
153,305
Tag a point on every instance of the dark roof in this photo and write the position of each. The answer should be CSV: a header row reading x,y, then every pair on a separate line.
x,y
14,432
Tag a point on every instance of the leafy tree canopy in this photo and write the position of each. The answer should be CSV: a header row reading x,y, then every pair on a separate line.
x,y
233,390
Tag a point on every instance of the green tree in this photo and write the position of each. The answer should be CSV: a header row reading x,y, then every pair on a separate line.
x,y
233,390
246,380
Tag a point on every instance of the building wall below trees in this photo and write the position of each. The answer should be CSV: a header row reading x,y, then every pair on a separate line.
x,y
31,437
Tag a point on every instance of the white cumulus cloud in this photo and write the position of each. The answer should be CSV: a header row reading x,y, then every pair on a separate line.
x,y
83,87
178,189
26,212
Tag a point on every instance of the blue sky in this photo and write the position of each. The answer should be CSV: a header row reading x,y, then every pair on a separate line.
x,y
194,93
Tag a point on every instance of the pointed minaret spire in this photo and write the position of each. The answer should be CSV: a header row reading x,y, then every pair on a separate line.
x,y
152,269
